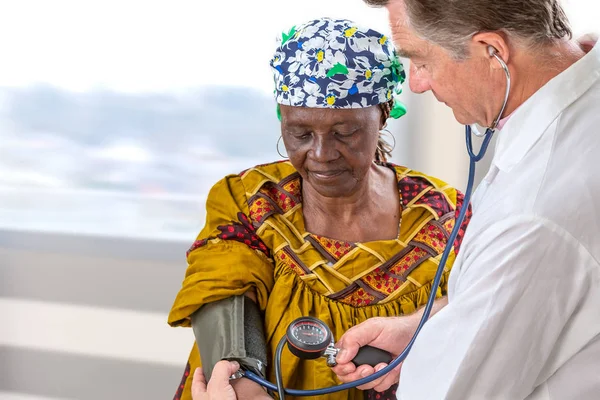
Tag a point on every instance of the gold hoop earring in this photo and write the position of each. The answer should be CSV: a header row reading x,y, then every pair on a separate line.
x,y
279,152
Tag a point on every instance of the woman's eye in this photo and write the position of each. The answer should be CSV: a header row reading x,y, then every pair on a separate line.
x,y
300,136
344,134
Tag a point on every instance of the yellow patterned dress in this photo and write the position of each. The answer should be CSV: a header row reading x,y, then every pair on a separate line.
x,y
254,238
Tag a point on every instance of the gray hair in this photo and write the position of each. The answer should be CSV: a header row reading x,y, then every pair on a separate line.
x,y
451,23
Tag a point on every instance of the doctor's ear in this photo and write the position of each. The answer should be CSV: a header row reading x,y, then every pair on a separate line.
x,y
486,44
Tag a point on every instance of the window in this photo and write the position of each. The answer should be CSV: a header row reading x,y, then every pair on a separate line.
x,y
117,117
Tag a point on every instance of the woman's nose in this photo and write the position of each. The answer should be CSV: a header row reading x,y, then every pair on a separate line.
x,y
323,149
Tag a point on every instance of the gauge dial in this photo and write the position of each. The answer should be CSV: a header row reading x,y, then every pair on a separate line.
x,y
309,333
308,337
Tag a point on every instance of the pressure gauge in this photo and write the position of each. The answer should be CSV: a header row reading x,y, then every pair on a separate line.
x,y
308,338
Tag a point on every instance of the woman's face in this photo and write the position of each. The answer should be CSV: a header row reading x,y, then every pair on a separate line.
x,y
332,149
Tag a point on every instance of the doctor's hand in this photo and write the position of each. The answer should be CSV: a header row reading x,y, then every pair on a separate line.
x,y
388,333
218,388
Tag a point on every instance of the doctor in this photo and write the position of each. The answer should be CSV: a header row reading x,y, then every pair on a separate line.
x,y
522,317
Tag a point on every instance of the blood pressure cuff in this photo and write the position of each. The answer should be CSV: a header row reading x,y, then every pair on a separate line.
x,y
231,329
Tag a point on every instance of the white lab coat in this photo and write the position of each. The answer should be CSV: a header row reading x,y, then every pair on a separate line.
x,y
523,320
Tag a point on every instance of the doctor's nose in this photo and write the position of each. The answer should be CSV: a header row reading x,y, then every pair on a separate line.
x,y
418,80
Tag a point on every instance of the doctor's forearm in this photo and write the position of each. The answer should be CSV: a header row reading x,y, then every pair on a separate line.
x,y
405,326
437,306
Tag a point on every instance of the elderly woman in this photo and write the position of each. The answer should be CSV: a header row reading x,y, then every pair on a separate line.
x,y
335,232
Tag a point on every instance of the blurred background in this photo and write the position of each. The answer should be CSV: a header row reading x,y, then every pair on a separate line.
x,y
116,117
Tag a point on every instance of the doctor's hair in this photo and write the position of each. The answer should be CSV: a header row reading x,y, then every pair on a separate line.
x,y
452,23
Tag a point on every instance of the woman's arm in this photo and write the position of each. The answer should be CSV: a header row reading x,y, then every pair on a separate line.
x,y
245,388
232,329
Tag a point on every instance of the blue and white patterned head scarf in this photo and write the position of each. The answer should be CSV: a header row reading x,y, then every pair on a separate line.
x,y
335,63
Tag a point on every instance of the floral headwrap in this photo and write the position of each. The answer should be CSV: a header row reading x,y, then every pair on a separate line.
x,y
334,63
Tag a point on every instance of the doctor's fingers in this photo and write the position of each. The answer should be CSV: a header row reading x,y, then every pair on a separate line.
x,y
383,383
358,336
389,380
198,384
344,369
361,371
221,373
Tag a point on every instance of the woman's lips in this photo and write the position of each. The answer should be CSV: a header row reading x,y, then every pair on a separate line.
x,y
325,175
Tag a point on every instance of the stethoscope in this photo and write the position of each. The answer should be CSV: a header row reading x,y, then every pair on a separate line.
x,y
309,338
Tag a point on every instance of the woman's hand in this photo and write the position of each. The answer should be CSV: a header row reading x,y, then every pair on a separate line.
x,y
218,388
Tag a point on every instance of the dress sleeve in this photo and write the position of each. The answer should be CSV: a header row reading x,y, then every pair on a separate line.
x,y
227,258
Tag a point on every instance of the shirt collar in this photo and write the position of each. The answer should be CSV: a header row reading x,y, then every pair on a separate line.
x,y
504,120
527,124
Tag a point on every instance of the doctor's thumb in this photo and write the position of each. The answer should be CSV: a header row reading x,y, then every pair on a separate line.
x,y
356,337
349,347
